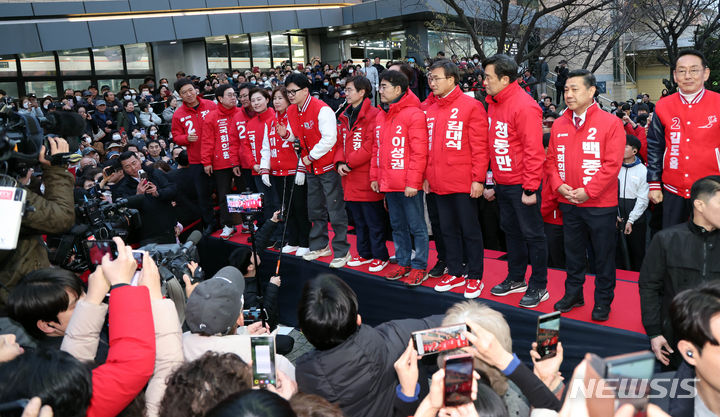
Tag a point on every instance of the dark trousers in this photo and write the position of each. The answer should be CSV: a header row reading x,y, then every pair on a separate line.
x,y
224,182
525,235
432,209
676,209
493,236
461,233
370,228
635,241
296,213
596,224
269,203
325,203
203,188
247,183
556,245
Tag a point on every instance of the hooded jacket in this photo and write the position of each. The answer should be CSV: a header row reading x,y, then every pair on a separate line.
x,y
401,147
358,375
355,145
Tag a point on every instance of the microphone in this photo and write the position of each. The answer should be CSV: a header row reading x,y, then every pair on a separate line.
x,y
193,239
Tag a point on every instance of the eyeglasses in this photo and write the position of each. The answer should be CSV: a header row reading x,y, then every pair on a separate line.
x,y
385,87
694,72
293,92
434,79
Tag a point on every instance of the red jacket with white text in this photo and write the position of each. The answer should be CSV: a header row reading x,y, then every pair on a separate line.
x,y
683,142
457,129
428,102
515,138
278,154
131,358
186,121
589,157
221,148
401,146
314,123
355,146
257,127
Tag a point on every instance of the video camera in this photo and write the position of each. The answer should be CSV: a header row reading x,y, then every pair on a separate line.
x,y
95,218
172,259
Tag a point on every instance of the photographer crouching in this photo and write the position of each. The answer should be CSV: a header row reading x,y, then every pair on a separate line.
x,y
50,212
149,191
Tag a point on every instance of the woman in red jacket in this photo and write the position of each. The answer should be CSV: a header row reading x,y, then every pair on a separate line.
x,y
356,134
257,127
280,170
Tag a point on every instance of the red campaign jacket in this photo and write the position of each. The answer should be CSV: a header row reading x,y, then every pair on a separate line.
x,y
131,359
187,120
588,157
278,154
428,102
640,133
549,204
221,146
256,129
355,148
683,142
244,150
305,126
401,146
515,138
457,128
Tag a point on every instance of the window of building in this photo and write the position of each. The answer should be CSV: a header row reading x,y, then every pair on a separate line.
x,y
216,48
138,59
40,88
114,84
240,52
10,89
8,66
261,50
108,60
280,48
75,62
297,46
76,85
38,64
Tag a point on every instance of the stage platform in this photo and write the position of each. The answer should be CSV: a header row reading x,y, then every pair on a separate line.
x,y
382,300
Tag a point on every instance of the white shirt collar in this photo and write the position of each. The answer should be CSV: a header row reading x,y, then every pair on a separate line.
x,y
692,98
582,116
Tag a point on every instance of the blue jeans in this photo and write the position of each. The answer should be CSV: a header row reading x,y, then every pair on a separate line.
x,y
407,218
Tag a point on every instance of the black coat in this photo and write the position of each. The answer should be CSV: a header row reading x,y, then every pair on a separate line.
x,y
680,257
187,207
358,375
157,213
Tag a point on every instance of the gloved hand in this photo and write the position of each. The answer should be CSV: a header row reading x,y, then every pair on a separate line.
x,y
266,179
300,178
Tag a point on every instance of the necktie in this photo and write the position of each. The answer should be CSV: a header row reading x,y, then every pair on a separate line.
x,y
578,122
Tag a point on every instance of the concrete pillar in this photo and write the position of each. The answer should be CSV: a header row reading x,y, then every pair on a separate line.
x,y
416,40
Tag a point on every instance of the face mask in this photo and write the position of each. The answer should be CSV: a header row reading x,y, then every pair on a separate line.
x,y
326,83
350,71
133,96
127,97
45,106
165,84
476,60
88,140
116,137
151,85
145,93
264,78
153,132
253,82
26,105
412,64
151,110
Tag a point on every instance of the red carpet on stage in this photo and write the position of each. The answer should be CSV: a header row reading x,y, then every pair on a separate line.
x,y
625,308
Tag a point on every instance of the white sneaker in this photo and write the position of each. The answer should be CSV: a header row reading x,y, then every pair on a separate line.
x,y
340,262
377,265
302,251
289,249
314,254
227,232
359,260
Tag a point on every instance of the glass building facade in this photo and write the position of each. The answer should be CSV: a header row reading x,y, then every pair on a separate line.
x,y
263,50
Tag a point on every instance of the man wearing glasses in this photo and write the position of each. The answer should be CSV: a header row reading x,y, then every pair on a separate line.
x,y
683,139
187,124
313,123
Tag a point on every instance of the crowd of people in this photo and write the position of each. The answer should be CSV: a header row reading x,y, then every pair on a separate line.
x,y
470,155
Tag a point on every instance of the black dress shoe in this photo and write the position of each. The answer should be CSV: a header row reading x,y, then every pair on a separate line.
x,y
568,302
209,230
600,313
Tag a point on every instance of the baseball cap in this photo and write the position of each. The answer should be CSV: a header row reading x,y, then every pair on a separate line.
x,y
86,151
112,154
86,93
114,145
215,305
100,103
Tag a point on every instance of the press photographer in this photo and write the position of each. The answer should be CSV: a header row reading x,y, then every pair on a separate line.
x,y
51,212
149,191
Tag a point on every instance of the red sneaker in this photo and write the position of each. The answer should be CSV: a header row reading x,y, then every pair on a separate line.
x,y
448,282
397,272
377,265
417,277
474,288
358,260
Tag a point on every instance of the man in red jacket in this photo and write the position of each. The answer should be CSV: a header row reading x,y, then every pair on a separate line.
x,y
187,131
356,134
220,152
516,158
683,141
314,124
583,161
397,169
457,164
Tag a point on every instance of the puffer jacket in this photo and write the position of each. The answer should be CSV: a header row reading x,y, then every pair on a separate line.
x,y
400,150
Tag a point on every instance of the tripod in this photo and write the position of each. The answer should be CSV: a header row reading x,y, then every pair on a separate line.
x,y
298,152
249,221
